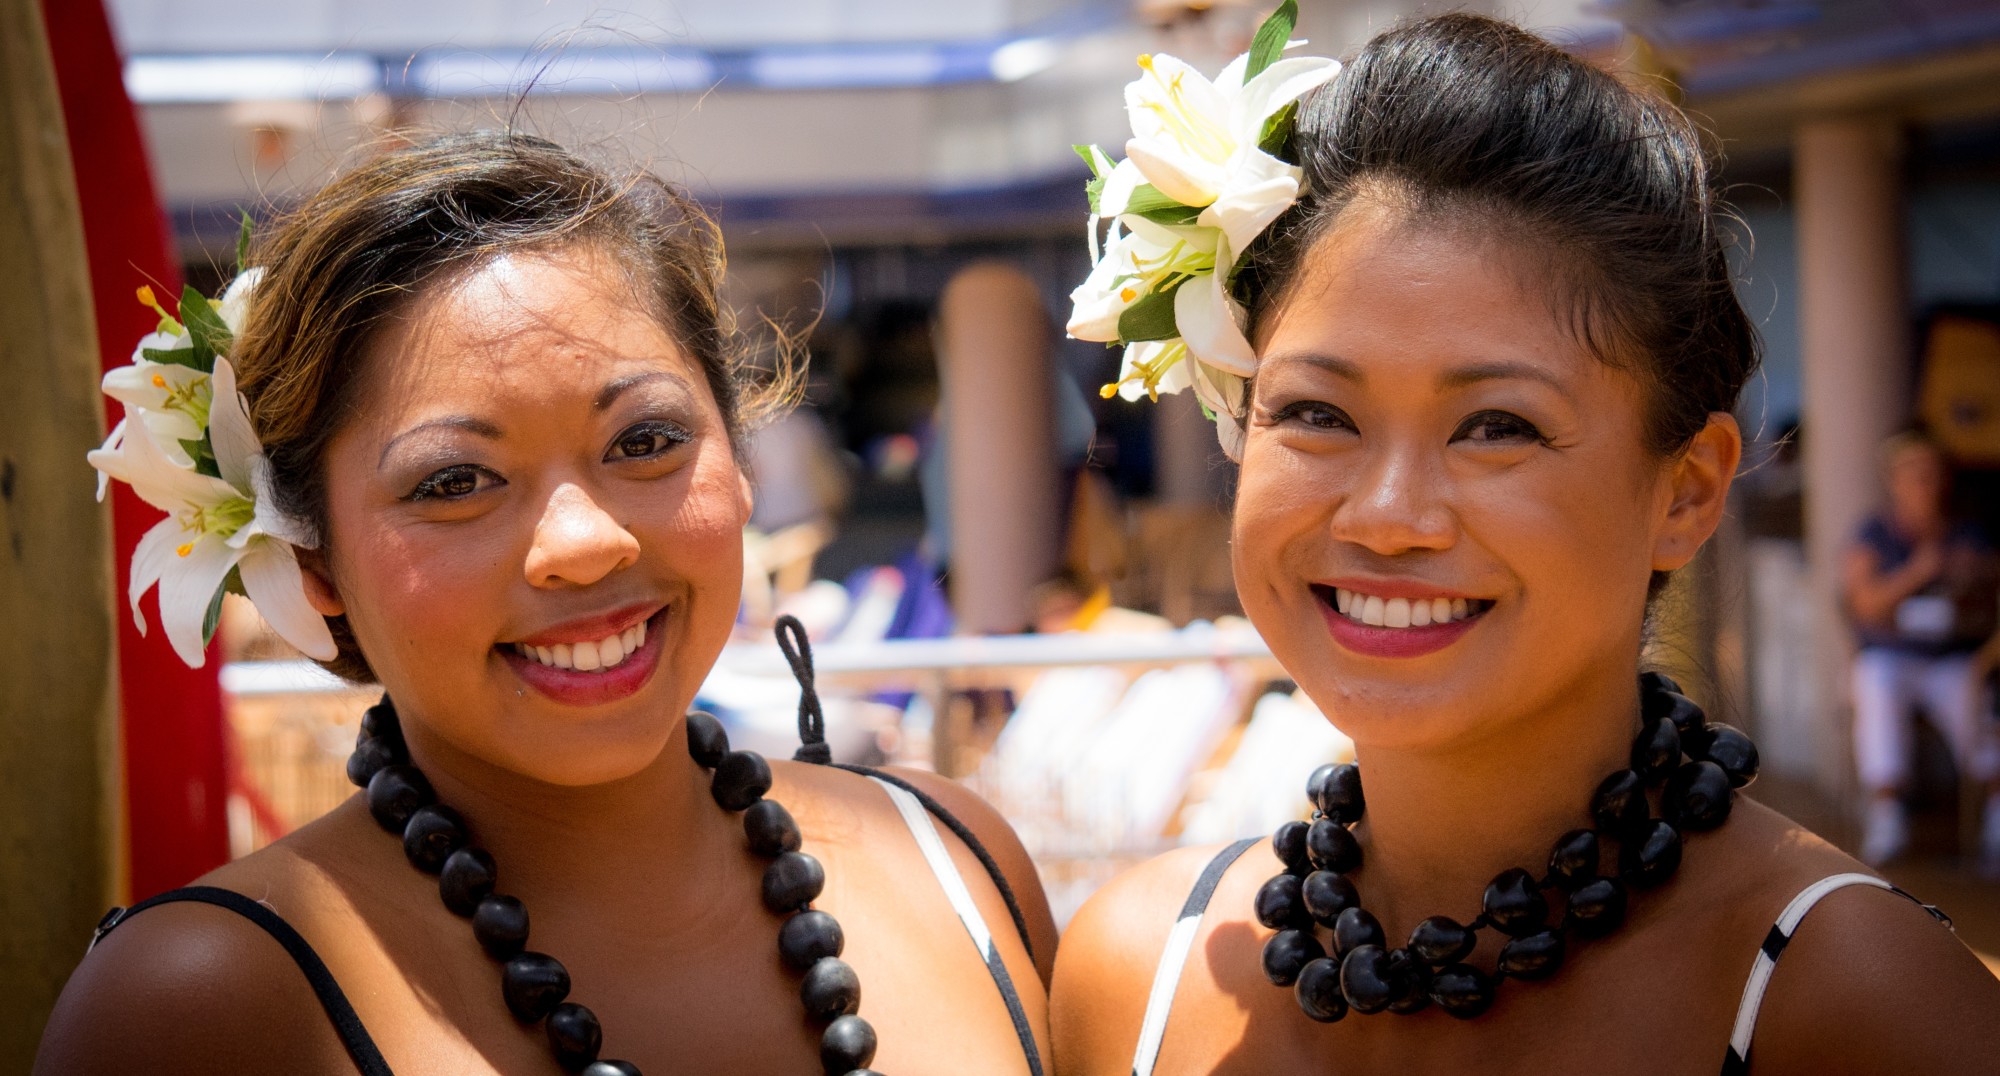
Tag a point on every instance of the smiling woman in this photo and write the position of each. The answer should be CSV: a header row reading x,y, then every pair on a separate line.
x,y
1496,354
490,405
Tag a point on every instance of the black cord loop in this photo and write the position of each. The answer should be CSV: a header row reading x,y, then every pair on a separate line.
x,y
812,720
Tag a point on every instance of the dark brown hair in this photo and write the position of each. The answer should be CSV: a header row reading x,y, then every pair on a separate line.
x,y
1465,120
352,255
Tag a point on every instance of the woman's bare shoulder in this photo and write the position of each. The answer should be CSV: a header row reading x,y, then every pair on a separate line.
x,y
191,987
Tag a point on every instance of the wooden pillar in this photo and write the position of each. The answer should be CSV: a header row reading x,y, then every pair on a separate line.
x,y
58,695
1854,336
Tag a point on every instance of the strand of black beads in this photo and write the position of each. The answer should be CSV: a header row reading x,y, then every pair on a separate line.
x,y
810,941
1696,765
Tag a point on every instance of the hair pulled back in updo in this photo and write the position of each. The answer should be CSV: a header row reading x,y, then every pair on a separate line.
x,y
1466,121
353,255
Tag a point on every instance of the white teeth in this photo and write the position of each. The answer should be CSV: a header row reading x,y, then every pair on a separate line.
x,y
605,653
1380,612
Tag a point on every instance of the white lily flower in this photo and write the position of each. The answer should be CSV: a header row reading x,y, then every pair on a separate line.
x,y
213,525
1136,263
235,301
1151,367
1196,140
1225,395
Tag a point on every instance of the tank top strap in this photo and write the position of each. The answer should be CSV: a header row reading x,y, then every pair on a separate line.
x,y
917,817
1173,959
1737,1061
360,1047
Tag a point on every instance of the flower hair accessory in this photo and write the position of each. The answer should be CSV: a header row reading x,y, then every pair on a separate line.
x,y
186,447
1200,181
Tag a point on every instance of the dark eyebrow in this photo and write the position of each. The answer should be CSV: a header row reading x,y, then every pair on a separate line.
x,y
455,422
1345,369
1499,371
609,394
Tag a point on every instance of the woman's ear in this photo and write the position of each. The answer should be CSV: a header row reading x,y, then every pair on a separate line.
x,y
1698,490
746,498
320,591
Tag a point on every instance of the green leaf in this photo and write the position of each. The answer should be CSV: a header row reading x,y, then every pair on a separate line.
x,y
233,583
179,356
203,457
1095,190
213,617
1147,198
1269,44
1278,130
243,242
205,327
1173,215
1089,155
1151,318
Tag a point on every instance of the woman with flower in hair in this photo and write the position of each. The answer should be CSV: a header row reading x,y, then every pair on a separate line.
x,y
1462,313
470,430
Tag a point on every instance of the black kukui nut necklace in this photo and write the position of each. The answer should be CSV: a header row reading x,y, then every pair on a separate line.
x,y
534,985
1362,974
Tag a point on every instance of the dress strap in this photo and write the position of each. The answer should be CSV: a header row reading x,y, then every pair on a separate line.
x,y
355,1037
1737,1061
918,819
1167,977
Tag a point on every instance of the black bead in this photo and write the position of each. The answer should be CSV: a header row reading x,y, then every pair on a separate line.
x,y
847,1044
1575,858
575,1035
1338,795
1687,718
433,833
533,984
1597,907
1729,748
1513,903
1651,856
1657,750
380,720
611,1068
1279,905
792,881
830,989
1462,990
1619,805
808,937
770,828
500,923
707,741
741,779
395,793
1411,979
1364,979
1442,940
1697,797
1317,991
1532,956
1288,843
1355,928
1651,682
369,757
467,878
1331,847
1326,895
1287,952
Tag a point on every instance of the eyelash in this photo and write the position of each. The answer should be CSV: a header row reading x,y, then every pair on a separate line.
x,y
1520,428
432,486
672,434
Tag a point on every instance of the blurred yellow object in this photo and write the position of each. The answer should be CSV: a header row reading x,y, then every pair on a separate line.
x,y
1959,399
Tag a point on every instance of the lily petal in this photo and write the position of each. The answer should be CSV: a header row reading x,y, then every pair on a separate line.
x,y
275,584
1275,87
187,588
271,519
1260,191
229,430
1118,187
1212,325
150,559
235,301
1223,393
1184,177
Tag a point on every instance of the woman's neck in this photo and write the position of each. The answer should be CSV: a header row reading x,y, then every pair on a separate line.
x,y
1440,824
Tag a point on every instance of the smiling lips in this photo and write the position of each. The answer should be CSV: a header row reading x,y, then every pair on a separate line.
x,y
596,656
1400,626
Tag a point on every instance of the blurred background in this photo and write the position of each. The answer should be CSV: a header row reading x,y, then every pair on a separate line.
x,y
1008,578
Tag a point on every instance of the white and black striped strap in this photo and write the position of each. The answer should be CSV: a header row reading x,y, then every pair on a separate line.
x,y
1168,975
1737,1061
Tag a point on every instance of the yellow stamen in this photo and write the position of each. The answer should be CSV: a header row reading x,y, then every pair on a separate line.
x,y
1145,61
185,549
1108,391
159,382
1127,294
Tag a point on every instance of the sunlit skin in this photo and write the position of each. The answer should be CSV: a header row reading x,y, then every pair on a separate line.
x,y
1423,422
533,456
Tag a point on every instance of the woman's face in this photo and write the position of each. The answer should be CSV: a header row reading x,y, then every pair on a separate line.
x,y
1446,509
536,476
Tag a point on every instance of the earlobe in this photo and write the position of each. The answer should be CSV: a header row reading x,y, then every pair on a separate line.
x,y
1699,491
320,592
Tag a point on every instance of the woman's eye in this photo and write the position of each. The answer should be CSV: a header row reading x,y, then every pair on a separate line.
x,y
648,440
453,483
1317,415
1497,427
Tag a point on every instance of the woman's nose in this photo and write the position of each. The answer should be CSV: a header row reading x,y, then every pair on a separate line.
x,y
577,542
1395,503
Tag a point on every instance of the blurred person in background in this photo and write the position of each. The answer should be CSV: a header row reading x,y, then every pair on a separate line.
x,y
487,455
1479,362
1922,589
